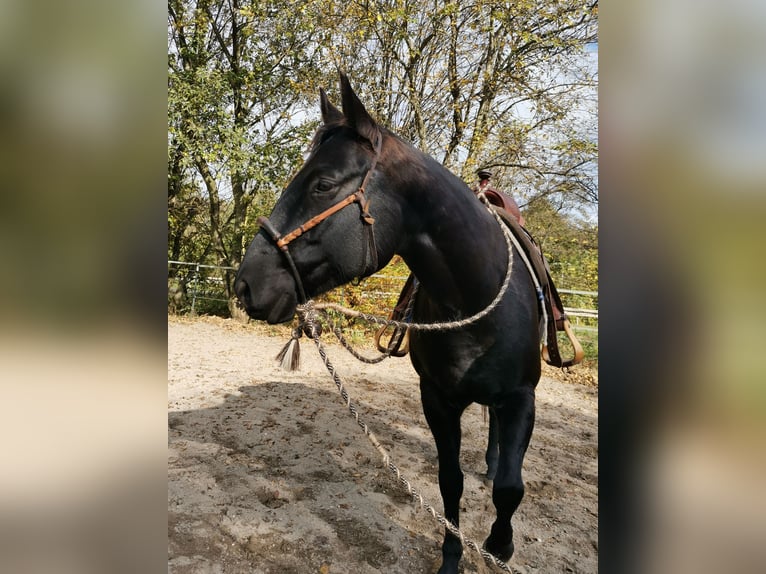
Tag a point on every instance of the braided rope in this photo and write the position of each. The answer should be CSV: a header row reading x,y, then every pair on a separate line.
x,y
510,240
394,470
383,356
309,318
443,326
346,345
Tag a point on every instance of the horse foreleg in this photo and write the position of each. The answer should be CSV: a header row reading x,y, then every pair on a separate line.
x,y
515,420
493,451
444,422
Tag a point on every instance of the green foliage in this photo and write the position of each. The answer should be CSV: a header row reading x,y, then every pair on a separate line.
x,y
570,246
238,77
375,295
487,84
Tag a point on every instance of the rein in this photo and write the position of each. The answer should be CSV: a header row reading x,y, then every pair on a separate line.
x,y
441,326
308,311
311,316
310,323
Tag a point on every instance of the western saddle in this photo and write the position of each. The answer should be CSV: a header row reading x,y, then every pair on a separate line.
x,y
398,342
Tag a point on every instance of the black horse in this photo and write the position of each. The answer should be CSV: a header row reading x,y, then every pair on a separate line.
x,y
409,204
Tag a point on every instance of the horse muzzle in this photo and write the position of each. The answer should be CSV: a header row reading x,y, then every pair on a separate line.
x,y
265,289
280,309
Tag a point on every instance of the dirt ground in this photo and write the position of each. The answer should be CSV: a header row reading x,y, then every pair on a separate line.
x,y
268,473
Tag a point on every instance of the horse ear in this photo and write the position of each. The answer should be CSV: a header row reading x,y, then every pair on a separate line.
x,y
330,114
357,115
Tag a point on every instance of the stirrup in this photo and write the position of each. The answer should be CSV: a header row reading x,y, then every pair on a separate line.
x,y
398,343
579,354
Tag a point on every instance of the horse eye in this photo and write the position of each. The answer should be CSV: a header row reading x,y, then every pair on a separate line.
x,y
324,185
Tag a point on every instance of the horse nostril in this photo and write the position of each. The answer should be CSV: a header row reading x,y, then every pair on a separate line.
x,y
242,290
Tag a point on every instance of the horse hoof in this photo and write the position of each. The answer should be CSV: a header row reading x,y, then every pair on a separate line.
x,y
450,563
501,551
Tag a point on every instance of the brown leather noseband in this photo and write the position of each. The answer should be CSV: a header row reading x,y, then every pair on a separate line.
x,y
364,214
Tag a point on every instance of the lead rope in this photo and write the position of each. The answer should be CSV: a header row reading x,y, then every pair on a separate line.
x,y
290,353
510,240
313,331
309,323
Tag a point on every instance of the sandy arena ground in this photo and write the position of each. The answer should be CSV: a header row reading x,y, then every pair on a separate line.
x,y
268,473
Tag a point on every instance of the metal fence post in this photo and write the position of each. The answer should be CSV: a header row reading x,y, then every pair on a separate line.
x,y
195,281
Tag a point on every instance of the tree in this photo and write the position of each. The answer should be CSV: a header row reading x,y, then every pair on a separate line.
x,y
484,84
490,83
570,246
238,75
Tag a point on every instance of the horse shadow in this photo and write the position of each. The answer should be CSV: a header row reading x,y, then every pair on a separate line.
x,y
278,477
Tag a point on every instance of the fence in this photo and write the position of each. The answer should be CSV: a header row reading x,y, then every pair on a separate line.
x,y
195,284
583,319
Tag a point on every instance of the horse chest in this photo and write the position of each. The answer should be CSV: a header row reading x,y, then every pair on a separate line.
x,y
466,367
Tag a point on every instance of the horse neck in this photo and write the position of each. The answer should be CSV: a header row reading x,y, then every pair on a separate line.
x,y
454,246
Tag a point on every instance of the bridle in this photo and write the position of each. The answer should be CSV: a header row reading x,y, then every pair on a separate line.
x,y
357,197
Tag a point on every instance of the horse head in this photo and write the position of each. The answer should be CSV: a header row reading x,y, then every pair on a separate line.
x,y
331,224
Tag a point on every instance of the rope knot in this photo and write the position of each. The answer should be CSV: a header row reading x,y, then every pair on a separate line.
x,y
308,319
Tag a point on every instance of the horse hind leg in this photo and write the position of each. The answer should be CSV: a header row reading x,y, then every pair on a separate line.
x,y
515,421
444,421
493,450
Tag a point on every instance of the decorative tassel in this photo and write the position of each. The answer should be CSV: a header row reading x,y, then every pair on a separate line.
x,y
290,355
